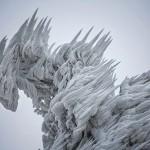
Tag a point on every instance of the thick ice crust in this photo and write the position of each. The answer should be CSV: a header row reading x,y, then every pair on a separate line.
x,y
72,87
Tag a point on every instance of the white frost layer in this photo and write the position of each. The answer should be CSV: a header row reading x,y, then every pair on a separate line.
x,y
73,89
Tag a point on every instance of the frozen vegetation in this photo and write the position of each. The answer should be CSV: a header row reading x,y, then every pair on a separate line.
x,y
72,87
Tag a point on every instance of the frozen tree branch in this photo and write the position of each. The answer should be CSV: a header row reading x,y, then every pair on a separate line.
x,y
73,89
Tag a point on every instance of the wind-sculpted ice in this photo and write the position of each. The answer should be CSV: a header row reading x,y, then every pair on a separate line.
x,y
72,87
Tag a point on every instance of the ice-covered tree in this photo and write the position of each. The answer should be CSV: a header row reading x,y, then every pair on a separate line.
x,y
72,87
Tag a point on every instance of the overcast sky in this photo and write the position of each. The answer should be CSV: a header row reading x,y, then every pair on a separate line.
x,y
128,21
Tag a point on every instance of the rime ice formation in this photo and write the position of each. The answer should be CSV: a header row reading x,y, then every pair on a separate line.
x,y
73,89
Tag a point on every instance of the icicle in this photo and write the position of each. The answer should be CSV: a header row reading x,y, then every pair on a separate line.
x,y
49,50
18,37
30,27
95,38
47,31
86,36
56,50
39,35
36,30
75,38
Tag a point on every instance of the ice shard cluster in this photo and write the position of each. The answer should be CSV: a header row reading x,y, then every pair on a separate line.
x,y
72,87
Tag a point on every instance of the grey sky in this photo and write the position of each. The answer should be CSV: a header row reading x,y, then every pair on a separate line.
x,y
128,21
